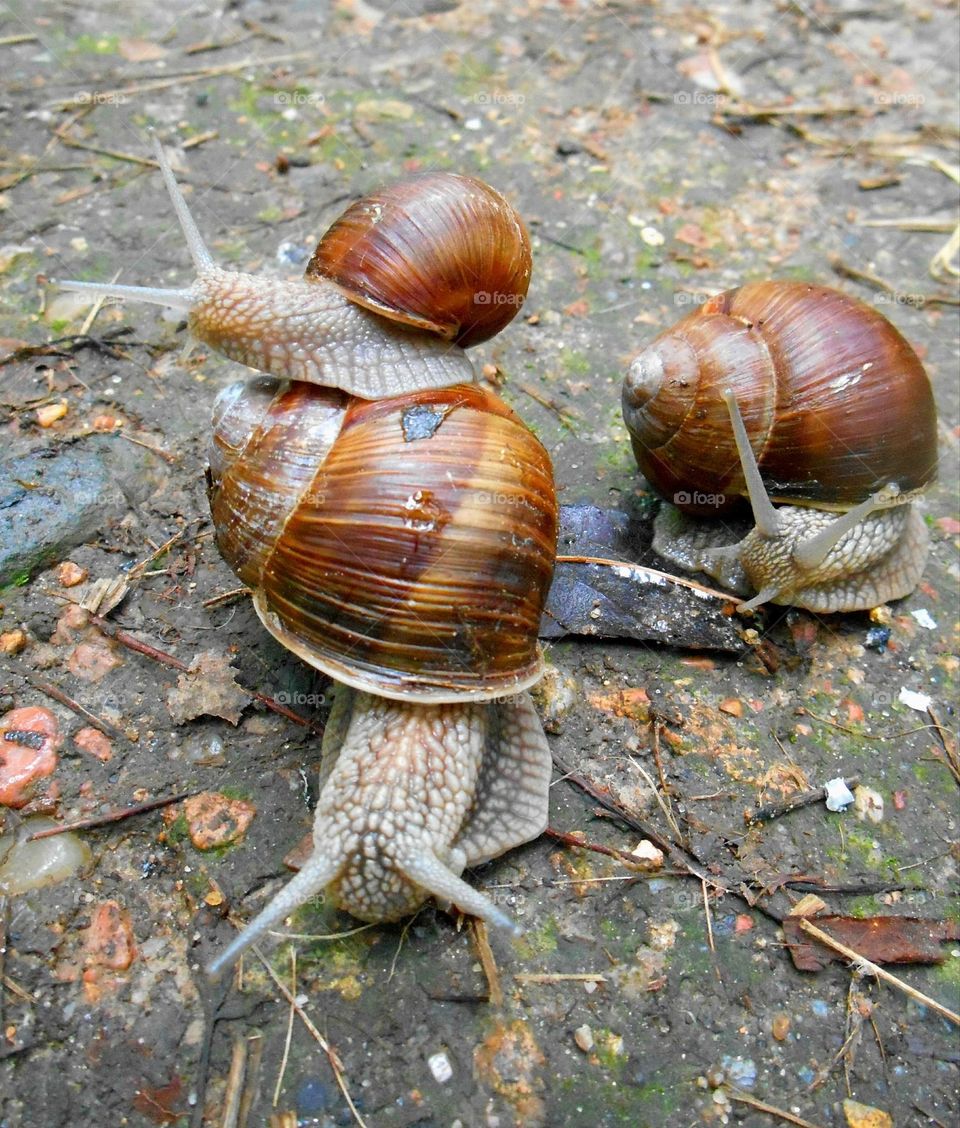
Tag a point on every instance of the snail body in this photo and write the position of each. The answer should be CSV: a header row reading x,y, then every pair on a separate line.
x,y
405,547
395,290
797,395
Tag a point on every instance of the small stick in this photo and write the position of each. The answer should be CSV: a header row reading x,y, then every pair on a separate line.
x,y
226,596
95,310
164,454
706,909
116,154
231,1098
559,977
478,930
290,1018
109,817
91,718
762,1106
655,727
949,748
332,1056
624,856
255,1053
131,642
864,965
644,573
795,802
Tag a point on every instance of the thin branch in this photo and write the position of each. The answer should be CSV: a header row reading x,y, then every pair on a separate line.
x,y
863,965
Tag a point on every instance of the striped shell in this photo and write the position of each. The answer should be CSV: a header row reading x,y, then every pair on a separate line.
x,y
835,401
438,251
403,546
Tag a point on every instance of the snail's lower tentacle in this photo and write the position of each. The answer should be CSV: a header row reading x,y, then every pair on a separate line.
x,y
319,871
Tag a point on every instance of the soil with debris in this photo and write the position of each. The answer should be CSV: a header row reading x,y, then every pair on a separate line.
x,y
660,153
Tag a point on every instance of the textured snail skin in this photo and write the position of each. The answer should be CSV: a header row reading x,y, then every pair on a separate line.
x,y
410,795
310,331
881,559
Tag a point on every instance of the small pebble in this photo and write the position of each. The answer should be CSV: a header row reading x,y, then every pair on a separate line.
x,y
865,1116
216,820
780,1026
32,865
741,1071
29,740
12,642
70,574
109,939
877,639
440,1067
51,412
583,1036
95,742
868,804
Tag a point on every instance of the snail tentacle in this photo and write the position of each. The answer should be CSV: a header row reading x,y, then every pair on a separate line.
x,y
764,514
318,872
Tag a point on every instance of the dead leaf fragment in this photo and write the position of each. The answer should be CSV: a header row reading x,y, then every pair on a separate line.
x,y
865,1116
208,688
511,1063
51,412
732,706
882,940
161,1105
216,820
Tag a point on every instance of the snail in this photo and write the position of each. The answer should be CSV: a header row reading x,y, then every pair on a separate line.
x,y
398,286
798,395
405,547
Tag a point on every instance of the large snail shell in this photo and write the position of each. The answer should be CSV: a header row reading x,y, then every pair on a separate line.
x,y
403,546
835,401
438,251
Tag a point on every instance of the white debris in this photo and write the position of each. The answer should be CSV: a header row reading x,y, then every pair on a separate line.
x,y
918,701
645,851
868,804
440,1067
839,796
652,237
925,619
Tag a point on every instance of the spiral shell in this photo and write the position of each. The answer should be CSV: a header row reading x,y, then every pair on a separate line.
x,y
403,546
835,401
438,251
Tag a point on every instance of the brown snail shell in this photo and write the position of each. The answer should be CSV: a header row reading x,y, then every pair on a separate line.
x,y
403,546
836,403
438,251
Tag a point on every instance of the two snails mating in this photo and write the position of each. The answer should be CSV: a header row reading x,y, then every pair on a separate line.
x,y
797,394
397,524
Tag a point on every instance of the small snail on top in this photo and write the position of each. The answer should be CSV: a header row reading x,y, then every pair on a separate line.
x,y
398,286
405,547
795,394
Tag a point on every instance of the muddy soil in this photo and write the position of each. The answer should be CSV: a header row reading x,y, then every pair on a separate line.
x,y
660,152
